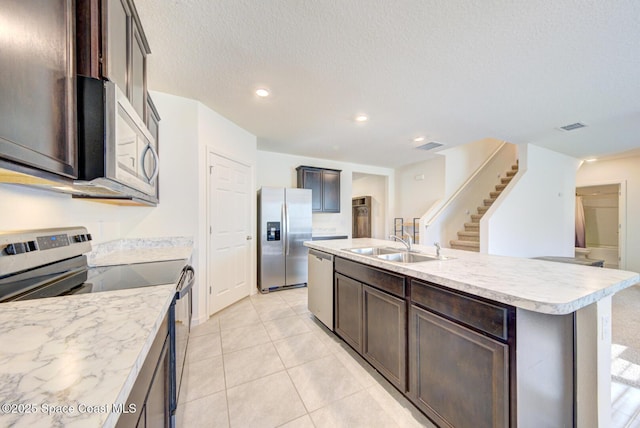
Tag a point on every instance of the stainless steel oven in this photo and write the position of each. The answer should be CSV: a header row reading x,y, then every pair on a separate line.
x,y
180,321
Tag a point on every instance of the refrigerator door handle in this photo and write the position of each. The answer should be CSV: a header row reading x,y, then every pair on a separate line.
x,y
283,233
286,230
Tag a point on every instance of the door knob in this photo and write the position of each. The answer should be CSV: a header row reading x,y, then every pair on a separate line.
x,y
249,237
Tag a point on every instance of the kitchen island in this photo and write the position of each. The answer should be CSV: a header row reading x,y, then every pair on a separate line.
x,y
532,336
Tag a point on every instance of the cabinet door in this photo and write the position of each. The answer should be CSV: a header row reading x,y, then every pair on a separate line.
x,y
38,87
384,334
118,24
348,311
312,179
457,377
138,93
330,191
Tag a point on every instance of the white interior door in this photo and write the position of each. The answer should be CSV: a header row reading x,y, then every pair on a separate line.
x,y
229,255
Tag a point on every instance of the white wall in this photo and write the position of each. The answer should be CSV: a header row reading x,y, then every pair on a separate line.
x,y
279,169
624,170
28,208
462,161
376,187
535,216
188,131
418,187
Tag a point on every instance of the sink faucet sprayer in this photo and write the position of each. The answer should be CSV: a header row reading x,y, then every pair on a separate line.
x,y
437,249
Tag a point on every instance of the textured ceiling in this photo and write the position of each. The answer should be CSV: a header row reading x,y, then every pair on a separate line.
x,y
455,71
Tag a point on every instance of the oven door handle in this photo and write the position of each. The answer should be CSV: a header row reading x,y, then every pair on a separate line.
x,y
185,284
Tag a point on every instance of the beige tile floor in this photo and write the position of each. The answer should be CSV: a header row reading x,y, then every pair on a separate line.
x,y
266,362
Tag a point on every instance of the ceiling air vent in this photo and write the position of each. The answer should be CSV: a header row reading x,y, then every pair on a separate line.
x,y
429,146
573,126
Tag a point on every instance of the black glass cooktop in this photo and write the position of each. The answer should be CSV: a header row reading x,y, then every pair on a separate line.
x,y
74,277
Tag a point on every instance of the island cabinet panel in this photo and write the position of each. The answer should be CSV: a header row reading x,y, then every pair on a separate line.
x,y
485,316
458,377
383,280
385,335
348,311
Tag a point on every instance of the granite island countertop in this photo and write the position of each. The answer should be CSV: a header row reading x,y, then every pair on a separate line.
x,y
81,353
535,285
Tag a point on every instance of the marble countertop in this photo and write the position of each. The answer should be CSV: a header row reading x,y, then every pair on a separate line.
x,y
65,361
140,250
535,285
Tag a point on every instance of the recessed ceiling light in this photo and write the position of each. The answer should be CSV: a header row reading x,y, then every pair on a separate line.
x,y
262,93
591,160
418,139
362,118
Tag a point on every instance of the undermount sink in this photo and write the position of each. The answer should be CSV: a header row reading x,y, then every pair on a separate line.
x,y
395,254
406,257
373,251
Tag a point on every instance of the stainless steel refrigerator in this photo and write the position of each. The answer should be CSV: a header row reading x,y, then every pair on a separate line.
x,y
284,223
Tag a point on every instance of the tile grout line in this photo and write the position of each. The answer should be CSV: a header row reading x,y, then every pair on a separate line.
x,y
286,370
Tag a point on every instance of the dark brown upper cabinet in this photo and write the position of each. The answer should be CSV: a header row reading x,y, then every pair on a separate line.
x,y
325,187
112,45
38,89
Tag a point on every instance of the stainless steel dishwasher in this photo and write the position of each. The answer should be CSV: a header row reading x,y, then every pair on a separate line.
x,y
320,286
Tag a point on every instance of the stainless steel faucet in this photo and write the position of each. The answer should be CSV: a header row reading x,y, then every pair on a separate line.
x,y
437,249
406,243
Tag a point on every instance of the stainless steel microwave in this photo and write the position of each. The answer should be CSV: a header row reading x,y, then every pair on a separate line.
x,y
117,155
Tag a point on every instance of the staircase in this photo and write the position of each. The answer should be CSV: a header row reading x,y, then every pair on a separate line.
x,y
469,238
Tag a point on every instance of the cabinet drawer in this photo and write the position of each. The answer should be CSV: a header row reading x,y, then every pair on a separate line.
x,y
487,317
391,283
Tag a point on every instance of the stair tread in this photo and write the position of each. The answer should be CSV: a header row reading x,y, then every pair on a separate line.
x,y
469,236
464,244
495,194
488,202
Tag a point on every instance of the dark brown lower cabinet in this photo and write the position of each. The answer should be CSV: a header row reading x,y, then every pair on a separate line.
x,y
148,404
348,310
458,377
384,334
